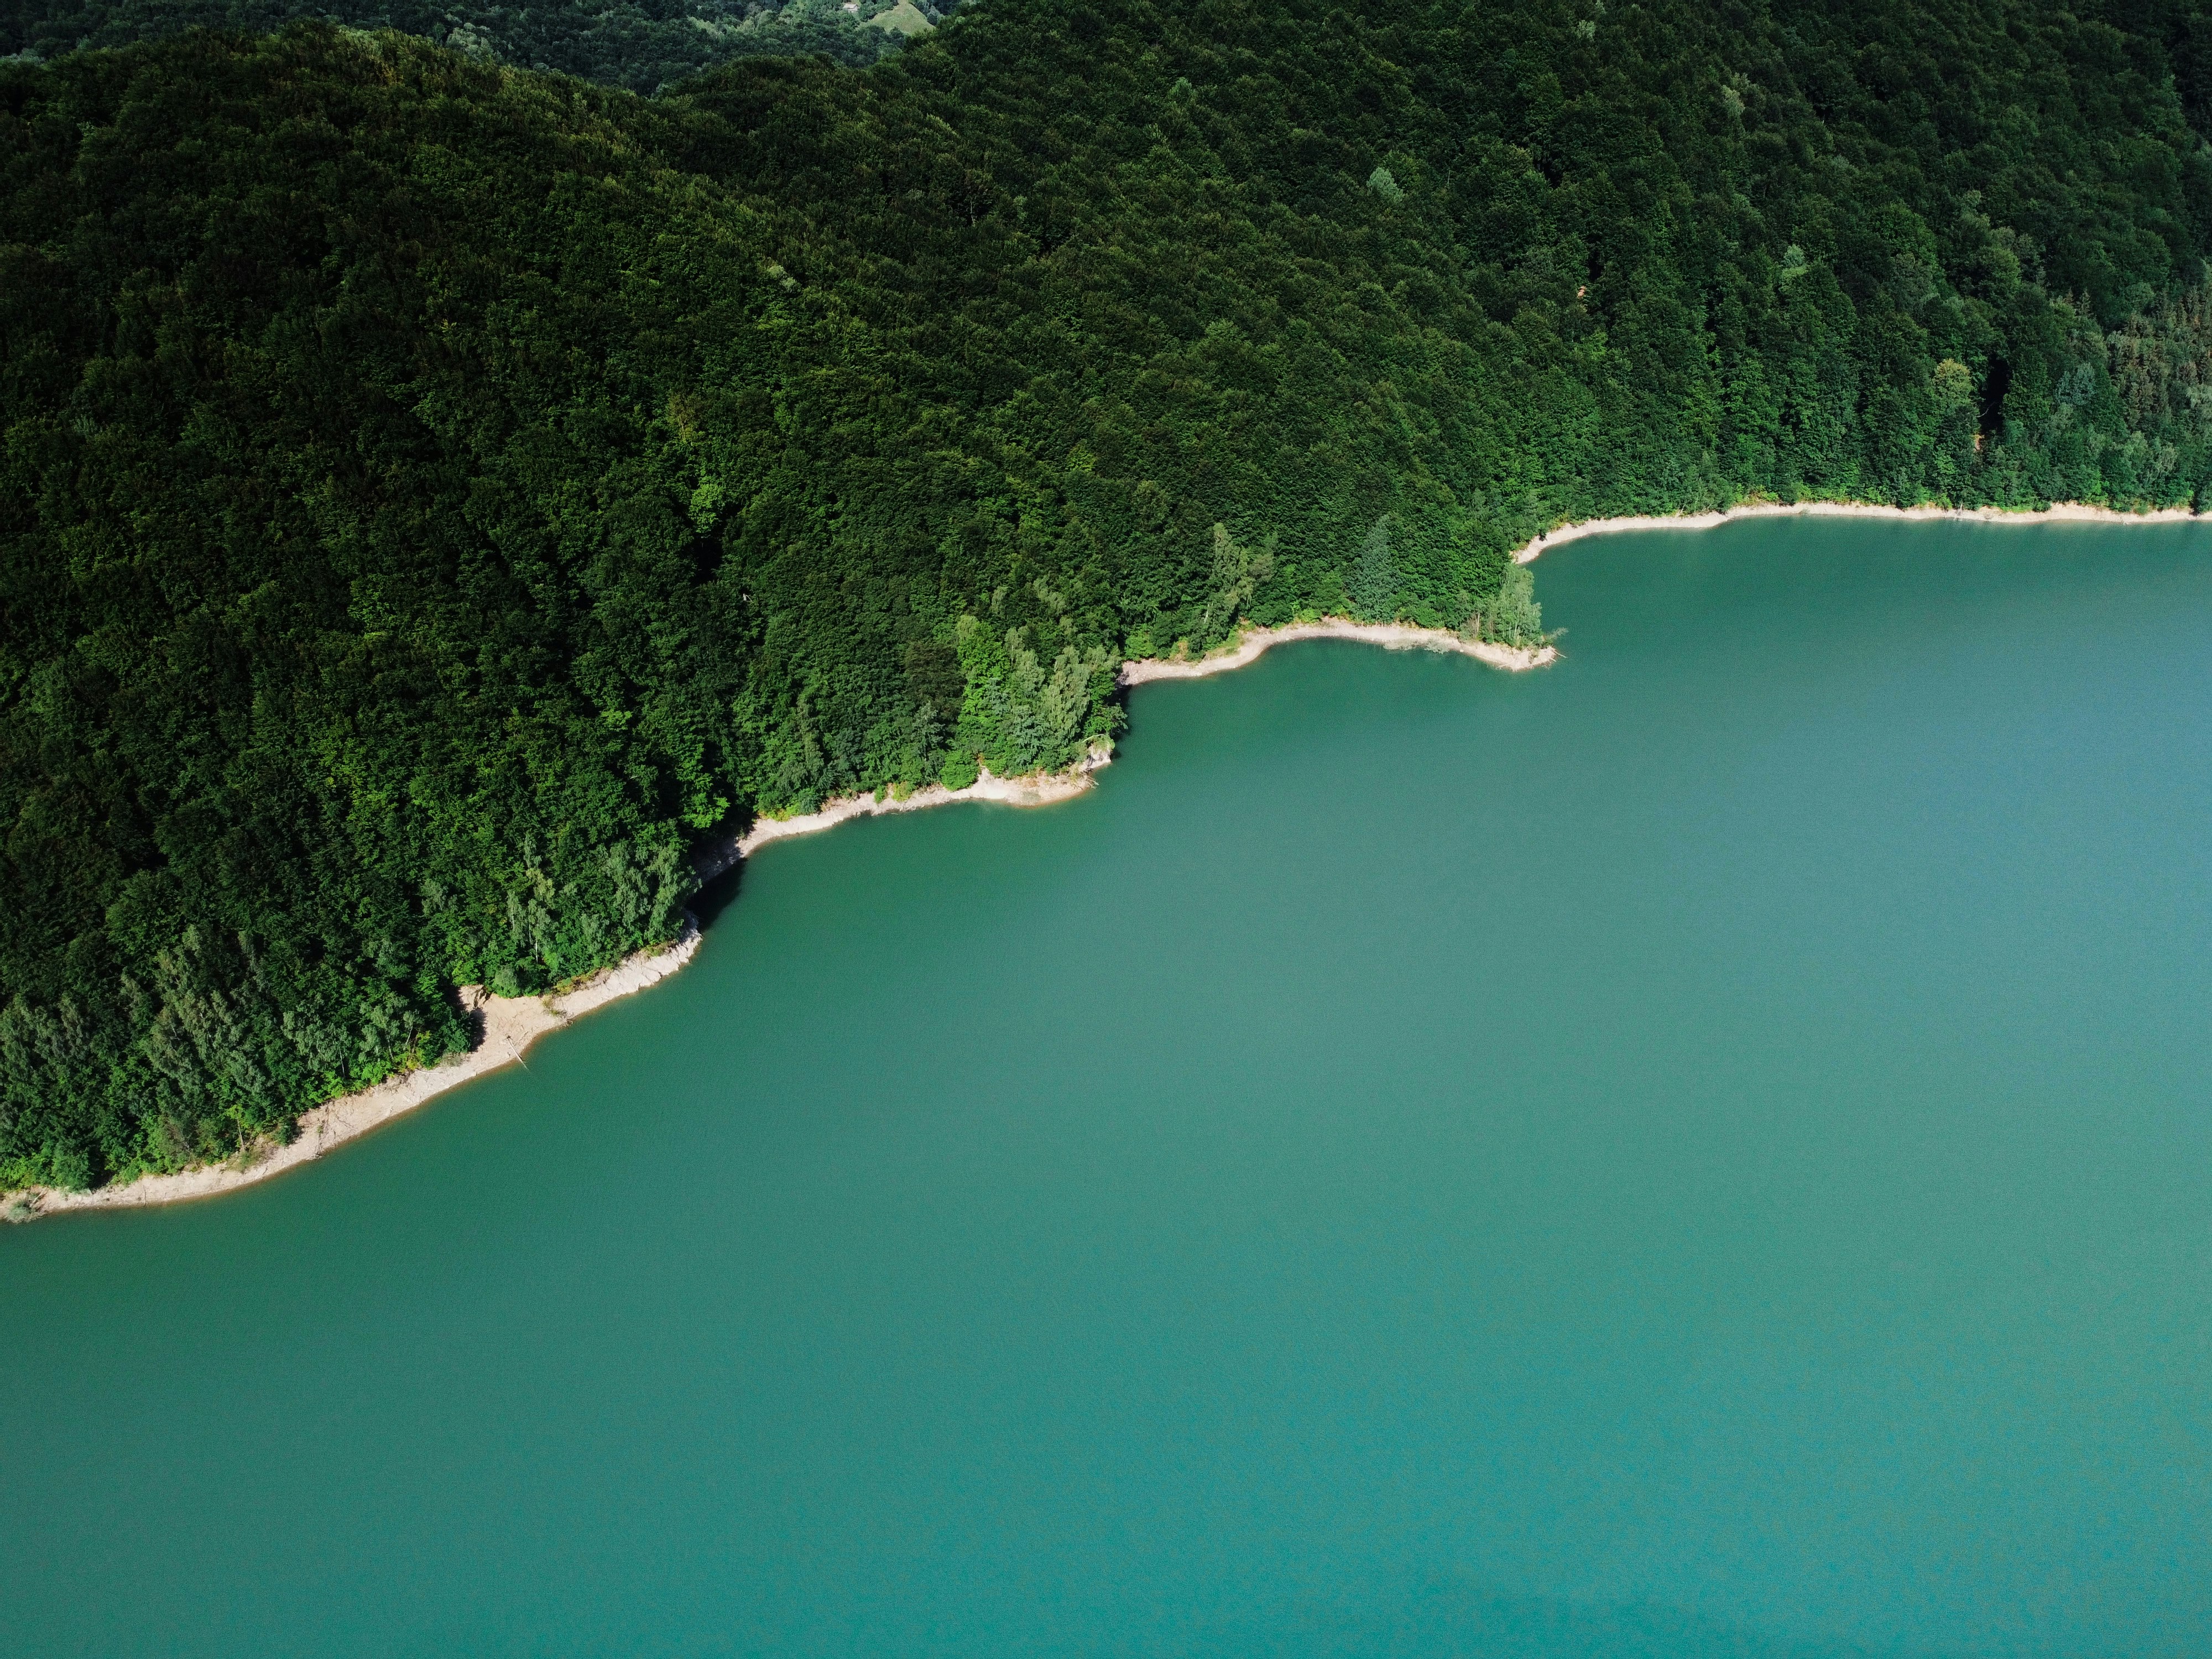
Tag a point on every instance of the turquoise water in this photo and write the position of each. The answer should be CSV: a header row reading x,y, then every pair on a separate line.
x,y
1705,1150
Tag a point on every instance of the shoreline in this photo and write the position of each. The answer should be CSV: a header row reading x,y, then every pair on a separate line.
x,y
1255,642
2057,513
1032,789
511,1025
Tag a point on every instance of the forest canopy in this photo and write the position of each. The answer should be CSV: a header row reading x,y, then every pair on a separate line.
x,y
642,45
436,492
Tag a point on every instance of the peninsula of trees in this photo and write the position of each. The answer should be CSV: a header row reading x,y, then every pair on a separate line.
x,y
436,488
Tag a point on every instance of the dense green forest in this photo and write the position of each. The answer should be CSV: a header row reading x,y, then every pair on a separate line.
x,y
643,45
436,493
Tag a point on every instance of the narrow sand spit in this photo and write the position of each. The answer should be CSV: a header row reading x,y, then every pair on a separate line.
x,y
512,1024
2056,512
1391,636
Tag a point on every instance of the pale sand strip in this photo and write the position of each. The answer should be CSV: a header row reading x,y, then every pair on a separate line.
x,y
1391,636
1037,789
2056,512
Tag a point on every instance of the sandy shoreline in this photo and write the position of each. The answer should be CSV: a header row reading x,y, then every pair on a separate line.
x,y
1391,636
2057,512
1037,789
512,1024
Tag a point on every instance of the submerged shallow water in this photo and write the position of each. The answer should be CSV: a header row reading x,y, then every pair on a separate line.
x,y
1704,1150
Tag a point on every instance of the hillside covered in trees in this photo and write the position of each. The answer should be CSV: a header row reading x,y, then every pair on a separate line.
x,y
436,493
642,45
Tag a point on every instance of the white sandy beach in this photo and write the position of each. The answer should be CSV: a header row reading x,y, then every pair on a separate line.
x,y
1038,789
2058,512
512,1024
1391,636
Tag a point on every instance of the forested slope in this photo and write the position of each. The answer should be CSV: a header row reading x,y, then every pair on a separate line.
x,y
435,493
641,44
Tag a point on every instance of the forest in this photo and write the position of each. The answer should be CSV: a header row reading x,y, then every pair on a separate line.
x,y
642,45
444,480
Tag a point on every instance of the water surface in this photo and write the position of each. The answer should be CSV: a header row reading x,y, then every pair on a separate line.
x,y
1705,1150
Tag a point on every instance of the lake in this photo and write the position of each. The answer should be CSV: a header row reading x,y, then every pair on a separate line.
x,y
1705,1148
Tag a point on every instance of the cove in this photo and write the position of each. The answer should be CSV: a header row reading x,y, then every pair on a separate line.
x,y
1703,1149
